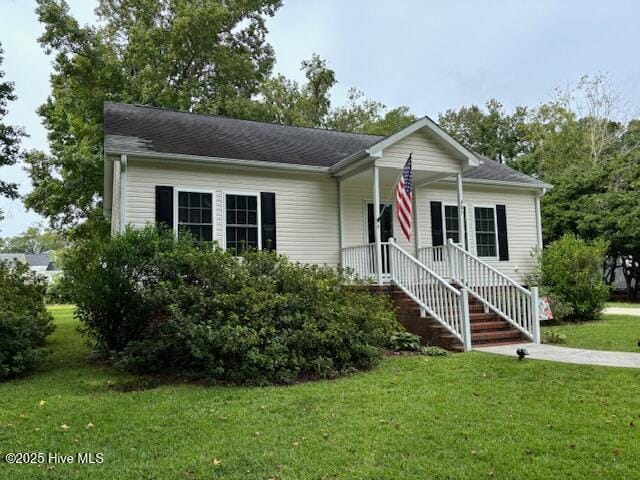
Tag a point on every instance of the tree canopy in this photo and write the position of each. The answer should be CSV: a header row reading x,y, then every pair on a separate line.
x,y
578,143
34,240
491,132
203,56
200,56
10,135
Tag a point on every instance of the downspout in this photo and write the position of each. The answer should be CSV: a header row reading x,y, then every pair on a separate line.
x,y
116,204
123,187
341,222
539,217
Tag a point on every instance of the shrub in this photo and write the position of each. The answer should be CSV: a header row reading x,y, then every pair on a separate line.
x,y
161,305
435,351
405,342
569,272
24,320
56,292
553,336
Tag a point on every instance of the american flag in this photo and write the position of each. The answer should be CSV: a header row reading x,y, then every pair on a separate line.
x,y
404,198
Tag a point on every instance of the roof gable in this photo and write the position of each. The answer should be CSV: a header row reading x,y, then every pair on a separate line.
x,y
428,125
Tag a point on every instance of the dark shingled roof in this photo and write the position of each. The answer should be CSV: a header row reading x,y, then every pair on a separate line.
x,y
142,129
492,170
135,128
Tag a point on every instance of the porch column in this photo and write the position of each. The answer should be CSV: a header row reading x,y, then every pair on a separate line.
x,y
376,223
461,222
416,231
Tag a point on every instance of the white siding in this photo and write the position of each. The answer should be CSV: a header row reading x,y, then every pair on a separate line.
x,y
307,208
356,196
521,221
306,203
428,154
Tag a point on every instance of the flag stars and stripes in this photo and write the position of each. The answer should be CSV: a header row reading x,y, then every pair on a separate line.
x,y
404,198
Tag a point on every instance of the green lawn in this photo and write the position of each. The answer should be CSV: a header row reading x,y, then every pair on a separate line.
x,y
614,332
623,304
465,416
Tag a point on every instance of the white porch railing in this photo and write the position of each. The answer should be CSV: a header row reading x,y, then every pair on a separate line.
x,y
435,259
496,291
446,304
361,260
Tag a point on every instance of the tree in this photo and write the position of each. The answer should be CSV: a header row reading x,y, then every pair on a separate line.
x,y
34,240
493,133
309,105
581,144
203,56
288,102
600,104
362,115
10,135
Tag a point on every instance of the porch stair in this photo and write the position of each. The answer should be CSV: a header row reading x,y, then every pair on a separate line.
x,y
487,329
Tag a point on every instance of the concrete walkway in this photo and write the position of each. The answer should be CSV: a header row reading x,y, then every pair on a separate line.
x,y
555,353
622,311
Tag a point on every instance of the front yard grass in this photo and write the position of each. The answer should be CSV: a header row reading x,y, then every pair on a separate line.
x,y
623,304
613,332
466,416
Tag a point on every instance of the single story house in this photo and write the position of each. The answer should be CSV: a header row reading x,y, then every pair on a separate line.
x,y
327,197
40,263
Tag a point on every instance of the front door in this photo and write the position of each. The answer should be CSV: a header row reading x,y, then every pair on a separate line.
x,y
386,230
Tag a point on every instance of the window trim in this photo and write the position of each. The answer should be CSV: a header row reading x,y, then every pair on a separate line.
x,y
495,231
465,208
245,193
176,191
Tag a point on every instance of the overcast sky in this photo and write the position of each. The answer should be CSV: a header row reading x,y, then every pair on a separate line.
x,y
428,55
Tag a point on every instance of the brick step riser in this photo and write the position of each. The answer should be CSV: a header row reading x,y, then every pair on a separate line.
x,y
486,328
490,327
500,335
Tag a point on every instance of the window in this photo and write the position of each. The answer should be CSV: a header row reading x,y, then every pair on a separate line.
x,y
485,232
242,223
195,215
451,224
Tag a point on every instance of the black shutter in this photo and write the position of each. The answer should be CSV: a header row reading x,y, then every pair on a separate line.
x,y
164,206
437,236
503,241
268,216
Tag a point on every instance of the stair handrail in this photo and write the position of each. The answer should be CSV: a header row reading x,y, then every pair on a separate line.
x,y
446,304
503,295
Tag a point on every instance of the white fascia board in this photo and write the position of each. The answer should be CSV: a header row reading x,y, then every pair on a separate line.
x,y
345,162
220,161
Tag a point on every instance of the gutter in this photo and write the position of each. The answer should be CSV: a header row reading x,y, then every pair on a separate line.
x,y
218,161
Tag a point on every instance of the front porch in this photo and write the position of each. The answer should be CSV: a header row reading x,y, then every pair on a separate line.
x,y
368,216
439,278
